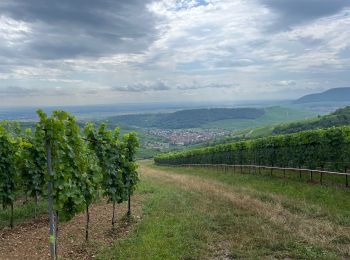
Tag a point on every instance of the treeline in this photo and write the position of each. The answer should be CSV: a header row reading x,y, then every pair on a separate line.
x,y
71,166
188,118
340,117
327,149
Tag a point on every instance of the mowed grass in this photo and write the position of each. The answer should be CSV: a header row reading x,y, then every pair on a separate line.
x,y
297,195
204,214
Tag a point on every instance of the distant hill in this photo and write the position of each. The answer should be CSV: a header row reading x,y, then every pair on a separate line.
x,y
331,95
187,118
340,117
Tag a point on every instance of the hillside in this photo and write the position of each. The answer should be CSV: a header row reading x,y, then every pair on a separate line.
x,y
273,115
331,95
187,118
340,117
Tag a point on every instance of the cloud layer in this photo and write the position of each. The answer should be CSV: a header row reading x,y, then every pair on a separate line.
x,y
104,51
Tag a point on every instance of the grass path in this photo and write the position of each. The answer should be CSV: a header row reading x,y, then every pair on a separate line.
x,y
193,216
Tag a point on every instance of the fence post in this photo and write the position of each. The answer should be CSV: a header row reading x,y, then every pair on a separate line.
x,y
321,181
50,199
310,175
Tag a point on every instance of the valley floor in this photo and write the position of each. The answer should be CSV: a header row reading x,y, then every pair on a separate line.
x,y
185,213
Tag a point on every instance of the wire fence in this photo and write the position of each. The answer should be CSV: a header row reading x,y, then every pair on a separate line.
x,y
310,175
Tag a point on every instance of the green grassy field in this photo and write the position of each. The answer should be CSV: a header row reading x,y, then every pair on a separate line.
x,y
206,214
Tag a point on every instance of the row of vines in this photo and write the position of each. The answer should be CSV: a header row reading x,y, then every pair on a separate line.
x,y
69,166
327,149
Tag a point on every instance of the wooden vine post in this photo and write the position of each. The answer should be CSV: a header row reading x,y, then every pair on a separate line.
x,y
50,200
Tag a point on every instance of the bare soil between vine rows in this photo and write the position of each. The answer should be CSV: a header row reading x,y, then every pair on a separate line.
x,y
30,240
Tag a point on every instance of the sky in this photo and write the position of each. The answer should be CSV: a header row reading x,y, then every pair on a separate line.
x,y
79,52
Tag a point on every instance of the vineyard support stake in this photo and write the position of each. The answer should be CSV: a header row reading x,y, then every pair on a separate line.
x,y
87,223
56,233
129,198
11,219
50,201
113,216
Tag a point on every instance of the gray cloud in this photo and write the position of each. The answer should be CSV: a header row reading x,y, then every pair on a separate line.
x,y
197,46
143,87
233,63
293,12
163,86
18,91
203,86
68,29
285,83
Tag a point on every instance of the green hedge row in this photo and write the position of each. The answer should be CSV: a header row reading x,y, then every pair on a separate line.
x,y
327,149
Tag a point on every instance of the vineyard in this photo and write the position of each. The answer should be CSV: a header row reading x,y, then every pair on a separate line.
x,y
70,167
323,150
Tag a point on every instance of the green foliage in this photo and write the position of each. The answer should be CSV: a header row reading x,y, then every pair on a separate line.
x,y
84,167
130,176
340,117
32,163
8,171
328,149
70,162
107,148
92,176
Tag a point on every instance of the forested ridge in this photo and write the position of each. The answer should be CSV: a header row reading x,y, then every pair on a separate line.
x,y
187,118
340,117
331,95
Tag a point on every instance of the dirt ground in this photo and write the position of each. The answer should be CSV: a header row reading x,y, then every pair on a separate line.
x,y
31,240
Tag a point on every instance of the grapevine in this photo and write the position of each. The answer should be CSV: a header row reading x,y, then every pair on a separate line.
x,y
325,148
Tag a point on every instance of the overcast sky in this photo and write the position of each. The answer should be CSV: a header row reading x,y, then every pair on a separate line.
x,y
111,51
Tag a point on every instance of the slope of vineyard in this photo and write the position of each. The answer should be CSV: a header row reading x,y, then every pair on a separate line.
x,y
340,117
66,165
326,149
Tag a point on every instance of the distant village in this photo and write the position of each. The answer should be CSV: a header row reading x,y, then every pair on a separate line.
x,y
182,137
